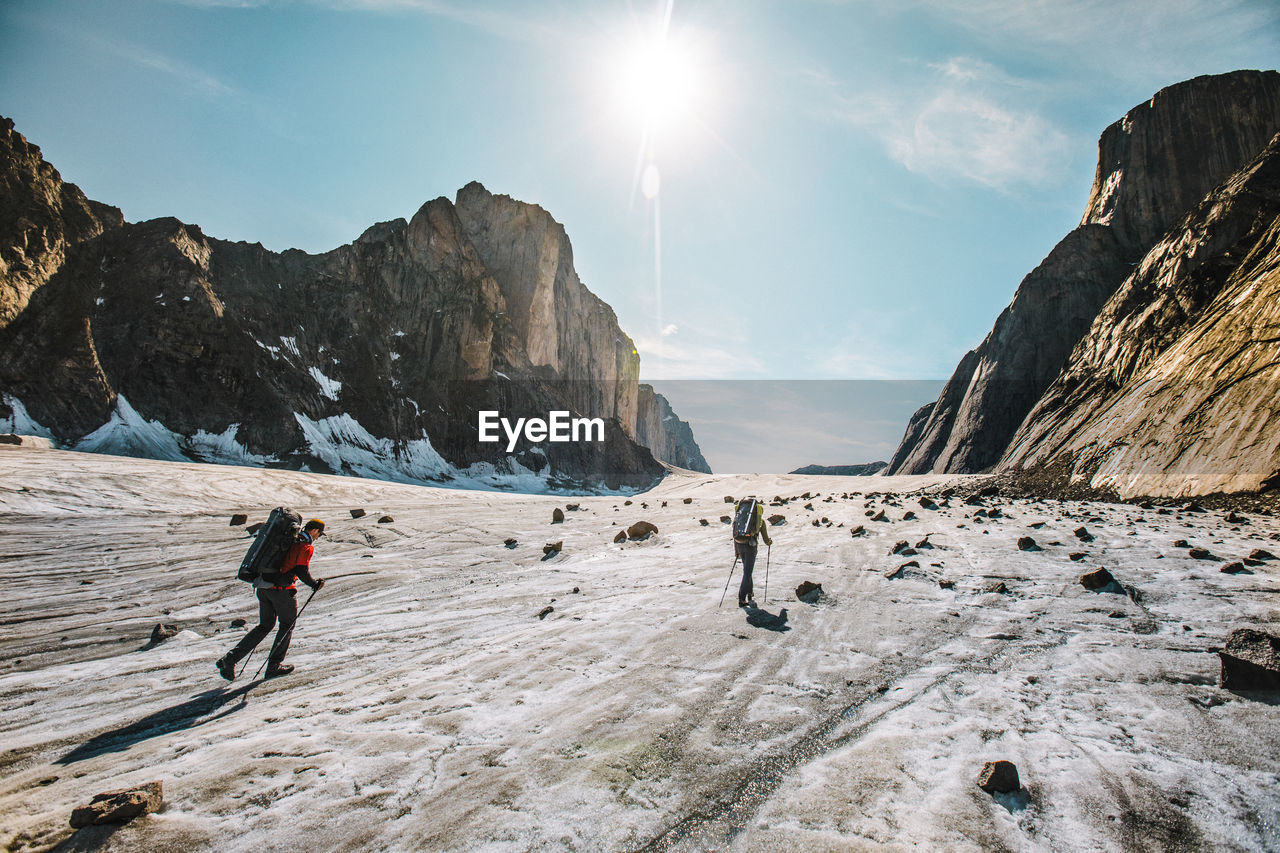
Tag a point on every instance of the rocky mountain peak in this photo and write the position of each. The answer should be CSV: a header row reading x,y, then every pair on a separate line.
x,y
1158,161
1155,165
374,358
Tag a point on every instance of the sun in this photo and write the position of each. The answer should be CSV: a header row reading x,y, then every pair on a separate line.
x,y
659,83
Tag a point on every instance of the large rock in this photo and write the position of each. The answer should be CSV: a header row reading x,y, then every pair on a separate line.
x,y
1251,660
1154,166
999,777
120,806
372,359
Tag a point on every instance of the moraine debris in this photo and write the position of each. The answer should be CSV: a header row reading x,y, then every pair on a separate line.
x,y
120,806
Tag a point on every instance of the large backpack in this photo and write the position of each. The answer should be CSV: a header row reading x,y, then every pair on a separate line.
x,y
744,520
271,545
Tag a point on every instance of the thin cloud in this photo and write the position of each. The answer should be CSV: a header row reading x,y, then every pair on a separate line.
x,y
506,23
966,120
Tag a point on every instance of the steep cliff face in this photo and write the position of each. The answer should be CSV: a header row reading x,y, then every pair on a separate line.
x,y
1154,165
1176,387
40,217
670,438
375,358
563,326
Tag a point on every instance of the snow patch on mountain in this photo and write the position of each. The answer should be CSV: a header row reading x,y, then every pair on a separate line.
x,y
20,422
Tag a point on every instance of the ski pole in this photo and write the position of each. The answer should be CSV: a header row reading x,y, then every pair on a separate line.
x,y
282,636
726,583
768,554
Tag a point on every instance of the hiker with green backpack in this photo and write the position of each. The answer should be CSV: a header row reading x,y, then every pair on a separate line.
x,y
748,523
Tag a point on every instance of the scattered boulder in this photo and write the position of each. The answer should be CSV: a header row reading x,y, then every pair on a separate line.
x,y
999,777
900,547
621,537
238,519
999,588
1232,568
900,572
858,531
809,507
1026,543
945,583
546,611
1077,556
973,500
809,592
162,632
703,522
1260,555
724,519
1194,506
641,530
777,519
386,519
1251,660
688,500
120,806
553,548
238,623
1200,554
924,543
927,503
1097,579
880,516
908,516
1233,518
728,499
357,513
626,503
1181,543
253,529
573,507
557,516
510,542
1083,534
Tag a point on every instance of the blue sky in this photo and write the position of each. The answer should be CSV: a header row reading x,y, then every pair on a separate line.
x,y
848,190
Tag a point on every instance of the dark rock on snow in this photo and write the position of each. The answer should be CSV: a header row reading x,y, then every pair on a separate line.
x,y
1097,579
1250,660
120,806
641,530
999,777
809,592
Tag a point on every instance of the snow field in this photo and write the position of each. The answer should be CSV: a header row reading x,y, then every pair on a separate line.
x,y
433,709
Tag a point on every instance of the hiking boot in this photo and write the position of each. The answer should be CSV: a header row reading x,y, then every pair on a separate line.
x,y
277,669
226,668
742,604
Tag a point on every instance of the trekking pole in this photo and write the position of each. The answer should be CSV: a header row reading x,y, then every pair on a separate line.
x,y
278,639
726,583
768,554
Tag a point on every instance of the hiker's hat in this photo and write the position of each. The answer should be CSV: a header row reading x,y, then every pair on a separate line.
x,y
314,524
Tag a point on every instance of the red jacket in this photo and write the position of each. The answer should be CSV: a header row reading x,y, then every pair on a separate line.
x,y
297,564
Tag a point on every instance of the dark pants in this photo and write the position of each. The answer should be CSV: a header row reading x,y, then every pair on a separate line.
x,y
747,552
273,605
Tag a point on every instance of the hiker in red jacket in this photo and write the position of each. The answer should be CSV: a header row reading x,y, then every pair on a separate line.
x,y
277,600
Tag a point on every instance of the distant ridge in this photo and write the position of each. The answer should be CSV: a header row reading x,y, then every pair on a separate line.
x,y
844,470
